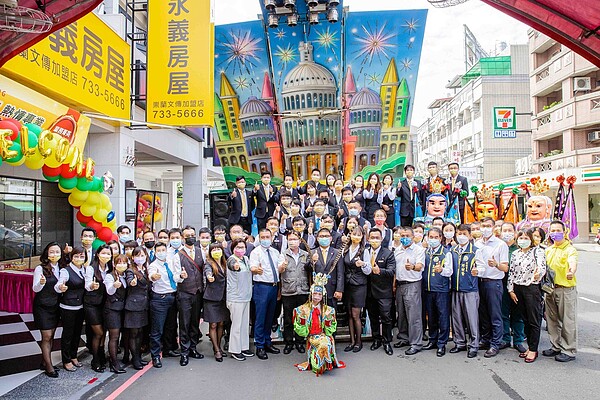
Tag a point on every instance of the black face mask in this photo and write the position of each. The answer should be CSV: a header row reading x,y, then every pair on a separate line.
x,y
150,244
190,240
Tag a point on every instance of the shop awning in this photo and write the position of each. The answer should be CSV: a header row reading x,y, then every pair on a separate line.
x,y
62,12
576,24
26,206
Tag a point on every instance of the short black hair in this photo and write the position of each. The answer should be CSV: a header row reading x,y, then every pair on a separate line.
x,y
239,178
437,219
88,229
317,170
464,228
265,173
318,201
432,163
204,229
220,228
174,230
324,190
160,244
454,163
187,227
407,166
121,227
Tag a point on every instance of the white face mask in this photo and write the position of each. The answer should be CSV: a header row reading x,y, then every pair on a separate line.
x,y
448,235
486,232
508,236
524,243
462,239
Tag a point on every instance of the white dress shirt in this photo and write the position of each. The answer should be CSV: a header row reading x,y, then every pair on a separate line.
x,y
366,269
109,280
89,276
37,274
63,278
492,248
163,285
415,254
259,256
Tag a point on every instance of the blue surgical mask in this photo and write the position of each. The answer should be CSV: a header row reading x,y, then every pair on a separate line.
x,y
406,241
433,243
266,243
125,238
324,241
353,212
176,243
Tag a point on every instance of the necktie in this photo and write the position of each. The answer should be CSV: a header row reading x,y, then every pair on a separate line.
x,y
151,255
267,192
410,188
244,204
373,256
273,270
170,275
318,223
324,251
176,251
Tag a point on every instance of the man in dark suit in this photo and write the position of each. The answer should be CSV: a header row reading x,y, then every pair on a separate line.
x,y
433,170
241,204
457,184
336,237
407,191
288,181
324,257
315,177
380,291
265,199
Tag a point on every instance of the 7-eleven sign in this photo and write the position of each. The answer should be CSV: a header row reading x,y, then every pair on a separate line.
x,y
504,118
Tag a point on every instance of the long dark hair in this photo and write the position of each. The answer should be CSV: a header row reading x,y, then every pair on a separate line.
x,y
113,270
133,266
96,262
214,264
377,186
361,246
355,218
45,262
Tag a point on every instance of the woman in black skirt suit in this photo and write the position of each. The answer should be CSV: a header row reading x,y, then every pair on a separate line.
x,y
116,292
136,304
356,271
215,309
389,195
373,195
46,312
93,303
71,283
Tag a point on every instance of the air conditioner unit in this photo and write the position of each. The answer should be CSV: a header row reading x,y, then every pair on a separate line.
x,y
594,136
582,83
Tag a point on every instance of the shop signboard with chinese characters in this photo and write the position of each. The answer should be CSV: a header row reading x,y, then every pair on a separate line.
x,y
84,65
505,123
180,63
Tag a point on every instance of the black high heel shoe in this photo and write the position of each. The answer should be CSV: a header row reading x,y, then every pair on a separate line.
x,y
218,358
118,370
53,374
97,367
43,367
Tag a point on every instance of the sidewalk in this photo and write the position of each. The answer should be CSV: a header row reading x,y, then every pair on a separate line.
x,y
591,247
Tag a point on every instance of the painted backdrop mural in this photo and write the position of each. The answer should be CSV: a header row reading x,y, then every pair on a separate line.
x,y
325,95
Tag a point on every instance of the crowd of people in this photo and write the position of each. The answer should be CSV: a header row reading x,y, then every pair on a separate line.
x,y
486,284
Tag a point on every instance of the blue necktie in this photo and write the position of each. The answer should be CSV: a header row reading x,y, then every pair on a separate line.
x,y
318,223
273,270
170,275
151,255
176,251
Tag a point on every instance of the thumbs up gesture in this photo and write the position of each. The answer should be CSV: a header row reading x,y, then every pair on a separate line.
x,y
492,262
474,271
117,284
408,265
95,285
67,248
42,280
133,281
234,194
437,268
62,287
236,266
256,187
210,278
277,210
155,277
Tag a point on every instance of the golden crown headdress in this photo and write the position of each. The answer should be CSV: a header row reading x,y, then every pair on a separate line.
x,y
486,193
538,186
319,283
437,186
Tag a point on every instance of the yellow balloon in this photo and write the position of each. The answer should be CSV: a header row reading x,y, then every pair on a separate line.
x,y
64,190
81,196
157,217
88,209
52,162
73,200
100,214
94,199
33,163
106,204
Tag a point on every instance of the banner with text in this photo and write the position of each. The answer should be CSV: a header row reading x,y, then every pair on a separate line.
x,y
180,63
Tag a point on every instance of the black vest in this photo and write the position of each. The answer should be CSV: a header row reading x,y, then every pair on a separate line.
x,y
95,297
47,297
116,301
137,296
76,288
195,280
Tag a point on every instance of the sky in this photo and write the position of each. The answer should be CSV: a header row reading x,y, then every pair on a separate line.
x,y
442,56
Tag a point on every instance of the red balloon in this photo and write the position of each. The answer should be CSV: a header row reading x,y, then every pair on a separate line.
x,y
49,171
95,225
6,123
105,234
114,237
65,173
82,218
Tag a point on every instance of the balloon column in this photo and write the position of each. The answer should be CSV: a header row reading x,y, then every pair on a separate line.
x,y
62,163
148,212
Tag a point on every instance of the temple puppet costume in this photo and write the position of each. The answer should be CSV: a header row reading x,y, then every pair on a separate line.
x,y
539,207
437,204
316,321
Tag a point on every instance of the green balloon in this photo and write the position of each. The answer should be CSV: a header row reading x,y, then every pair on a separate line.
x,y
84,185
33,140
35,129
16,147
51,178
67,183
97,243
98,186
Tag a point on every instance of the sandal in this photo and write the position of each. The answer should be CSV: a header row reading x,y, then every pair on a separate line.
x,y
524,355
530,359
77,363
71,368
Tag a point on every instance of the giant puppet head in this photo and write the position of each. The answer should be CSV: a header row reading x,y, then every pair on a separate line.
x,y
539,206
486,205
436,202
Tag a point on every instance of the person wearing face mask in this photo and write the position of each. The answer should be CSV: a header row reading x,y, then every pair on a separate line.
x,y
170,345
164,277
116,291
136,304
288,216
476,233
449,235
527,267
410,259
330,207
465,294
204,241
356,272
149,241
237,232
239,295
88,235
264,263
342,206
336,193
317,215
299,226
309,199
433,170
288,186
93,303
215,309
337,239
294,289
512,319
265,199
128,248
46,312
373,195
124,234
388,197
436,275
190,295
325,258
380,291
277,241
457,184
561,305
315,181
408,190
380,224
241,205
492,263
418,231
354,210
284,210
71,283
115,247
163,236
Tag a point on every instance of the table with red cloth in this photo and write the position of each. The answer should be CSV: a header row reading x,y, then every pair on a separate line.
x,y
16,293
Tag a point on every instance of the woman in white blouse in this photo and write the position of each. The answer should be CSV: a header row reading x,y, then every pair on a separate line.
x,y
46,312
527,267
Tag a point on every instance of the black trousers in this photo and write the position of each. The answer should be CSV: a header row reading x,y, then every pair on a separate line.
x,y
246,224
71,334
169,337
406,221
289,303
380,315
262,222
190,312
531,306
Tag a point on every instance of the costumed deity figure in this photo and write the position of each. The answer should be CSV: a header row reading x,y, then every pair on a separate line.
x,y
539,206
484,205
316,321
436,205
